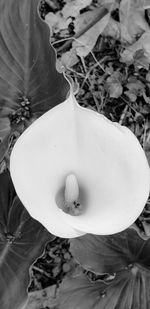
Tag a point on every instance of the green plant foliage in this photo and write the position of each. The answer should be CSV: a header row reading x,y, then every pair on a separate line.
x,y
109,254
114,79
29,82
30,85
126,256
128,290
21,241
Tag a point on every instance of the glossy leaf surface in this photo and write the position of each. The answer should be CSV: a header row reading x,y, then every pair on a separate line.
x,y
109,254
127,256
130,289
29,82
22,240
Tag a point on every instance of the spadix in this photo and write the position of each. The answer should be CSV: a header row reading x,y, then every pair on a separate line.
x,y
75,156
71,189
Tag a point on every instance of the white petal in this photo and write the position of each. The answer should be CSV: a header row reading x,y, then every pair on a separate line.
x,y
105,157
40,161
115,173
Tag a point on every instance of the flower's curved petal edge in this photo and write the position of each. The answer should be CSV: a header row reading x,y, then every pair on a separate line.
x,y
40,162
106,158
115,173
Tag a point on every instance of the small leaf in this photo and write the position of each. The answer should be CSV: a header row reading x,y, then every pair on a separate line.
x,y
113,85
69,58
132,96
132,18
73,7
135,88
141,60
86,42
56,22
143,43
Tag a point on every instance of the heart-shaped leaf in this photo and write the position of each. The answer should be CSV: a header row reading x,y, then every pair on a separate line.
x,y
109,254
29,82
130,289
125,254
21,241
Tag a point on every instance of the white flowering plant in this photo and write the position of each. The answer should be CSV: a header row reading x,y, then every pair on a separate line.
x,y
66,171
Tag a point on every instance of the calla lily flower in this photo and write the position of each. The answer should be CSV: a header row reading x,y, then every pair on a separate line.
x,y
77,172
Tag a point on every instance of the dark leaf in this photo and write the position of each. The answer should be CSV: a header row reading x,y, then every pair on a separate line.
x,y
130,289
22,240
80,293
4,145
125,254
29,82
109,254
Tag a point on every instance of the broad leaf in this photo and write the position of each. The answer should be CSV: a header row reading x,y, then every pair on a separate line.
x,y
21,241
29,82
126,255
109,254
130,289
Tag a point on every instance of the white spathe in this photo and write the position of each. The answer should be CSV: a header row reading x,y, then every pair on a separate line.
x,y
105,157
